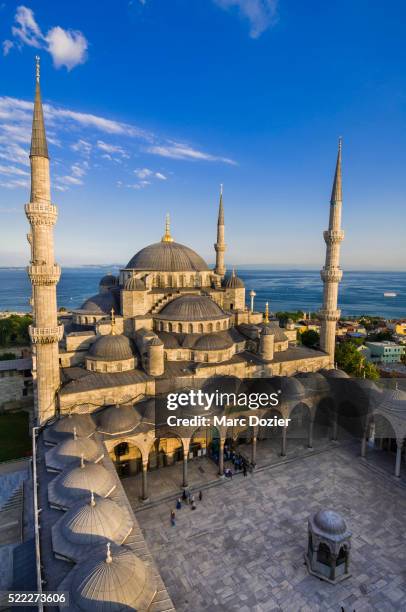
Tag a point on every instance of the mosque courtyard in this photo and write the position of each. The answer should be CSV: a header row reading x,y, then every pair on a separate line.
x,y
242,548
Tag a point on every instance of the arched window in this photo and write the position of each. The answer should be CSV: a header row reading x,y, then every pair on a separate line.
x,y
218,326
180,328
169,327
161,326
190,328
210,327
323,554
200,328
225,324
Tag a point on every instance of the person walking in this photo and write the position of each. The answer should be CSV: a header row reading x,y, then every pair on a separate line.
x,y
173,515
245,470
178,504
200,496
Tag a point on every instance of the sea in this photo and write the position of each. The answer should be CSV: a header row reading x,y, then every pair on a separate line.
x,y
360,292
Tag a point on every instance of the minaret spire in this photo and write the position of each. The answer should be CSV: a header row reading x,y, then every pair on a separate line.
x,y
220,246
44,273
38,138
167,236
331,274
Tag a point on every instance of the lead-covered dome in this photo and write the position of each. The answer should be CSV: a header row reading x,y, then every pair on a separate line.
x,y
233,282
108,280
80,424
167,257
192,308
213,342
112,581
329,522
102,303
118,420
87,477
134,284
112,347
70,451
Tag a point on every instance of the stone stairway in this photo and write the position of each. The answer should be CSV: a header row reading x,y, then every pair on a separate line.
x,y
163,301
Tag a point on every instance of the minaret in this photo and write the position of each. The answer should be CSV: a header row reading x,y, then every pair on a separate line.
x,y
331,274
44,273
167,236
220,246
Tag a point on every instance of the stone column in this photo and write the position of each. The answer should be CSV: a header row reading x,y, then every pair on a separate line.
x,y
399,444
283,448
310,439
254,450
333,567
185,479
221,457
144,489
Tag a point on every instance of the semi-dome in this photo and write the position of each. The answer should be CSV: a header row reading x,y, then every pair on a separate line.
x,y
115,581
112,347
233,282
329,522
291,388
118,420
167,257
98,520
134,284
70,451
334,373
213,342
102,303
84,478
108,280
191,308
82,424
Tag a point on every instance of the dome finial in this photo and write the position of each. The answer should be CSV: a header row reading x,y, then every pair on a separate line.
x,y
109,558
167,236
113,322
37,67
266,314
92,502
82,460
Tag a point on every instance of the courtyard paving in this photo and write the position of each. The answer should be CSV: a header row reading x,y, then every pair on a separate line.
x,y
242,548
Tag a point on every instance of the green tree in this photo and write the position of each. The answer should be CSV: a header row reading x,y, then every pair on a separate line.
x,y
352,361
310,338
8,356
14,330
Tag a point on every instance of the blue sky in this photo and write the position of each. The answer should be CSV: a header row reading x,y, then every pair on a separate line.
x,y
151,104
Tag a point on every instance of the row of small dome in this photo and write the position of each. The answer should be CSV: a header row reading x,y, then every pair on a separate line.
x,y
232,281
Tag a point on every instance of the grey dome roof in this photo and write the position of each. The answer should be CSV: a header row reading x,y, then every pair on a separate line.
x,y
111,347
98,520
267,331
109,280
330,522
167,257
134,284
276,330
191,307
313,381
213,342
70,451
292,388
83,479
233,282
112,582
335,373
118,419
65,426
102,303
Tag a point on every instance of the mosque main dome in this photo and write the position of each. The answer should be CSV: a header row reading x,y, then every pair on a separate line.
x,y
191,307
167,257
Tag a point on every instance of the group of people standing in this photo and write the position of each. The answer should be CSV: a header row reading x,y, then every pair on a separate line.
x,y
188,499
239,461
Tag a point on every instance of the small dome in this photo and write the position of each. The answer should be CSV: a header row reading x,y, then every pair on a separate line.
x,y
191,308
167,257
87,477
96,521
233,282
291,388
330,522
102,303
118,420
81,423
334,373
115,581
213,342
109,280
71,450
111,348
156,341
290,322
313,381
276,330
134,284
267,331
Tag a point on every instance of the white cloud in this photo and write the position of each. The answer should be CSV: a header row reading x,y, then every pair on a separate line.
x,y
67,47
261,14
7,46
160,176
13,170
142,173
110,149
14,183
78,170
82,146
69,180
178,150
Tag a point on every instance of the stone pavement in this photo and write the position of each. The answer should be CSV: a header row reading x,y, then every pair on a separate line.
x,y
242,548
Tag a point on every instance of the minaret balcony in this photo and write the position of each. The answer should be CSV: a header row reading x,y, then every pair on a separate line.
x,y
331,236
326,314
41,213
332,275
44,274
45,335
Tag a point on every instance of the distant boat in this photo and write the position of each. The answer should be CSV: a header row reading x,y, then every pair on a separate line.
x,y
389,294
